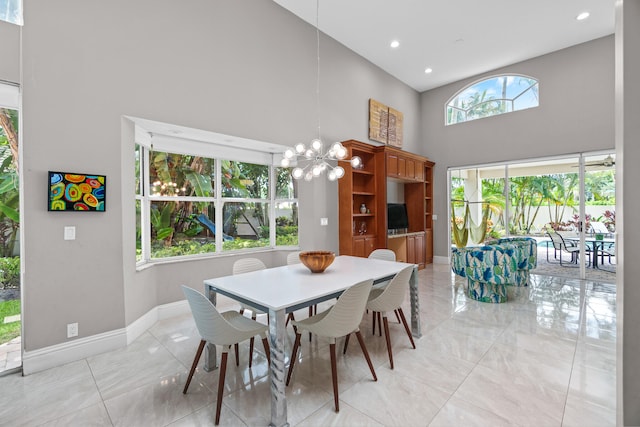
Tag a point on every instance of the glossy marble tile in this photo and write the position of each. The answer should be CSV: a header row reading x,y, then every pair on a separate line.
x,y
545,358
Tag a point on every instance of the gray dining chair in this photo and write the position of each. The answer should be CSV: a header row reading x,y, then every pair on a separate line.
x,y
342,319
390,298
247,265
223,329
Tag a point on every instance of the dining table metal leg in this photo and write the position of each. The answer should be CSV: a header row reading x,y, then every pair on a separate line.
x,y
277,319
210,353
415,303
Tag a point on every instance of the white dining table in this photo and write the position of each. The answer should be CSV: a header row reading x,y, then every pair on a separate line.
x,y
285,289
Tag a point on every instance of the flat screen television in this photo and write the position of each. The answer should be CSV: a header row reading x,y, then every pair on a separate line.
x,y
397,218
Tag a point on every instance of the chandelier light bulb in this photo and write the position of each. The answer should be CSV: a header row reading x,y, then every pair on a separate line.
x,y
297,173
316,144
288,154
341,153
339,171
300,148
309,154
285,163
308,176
316,170
332,175
356,162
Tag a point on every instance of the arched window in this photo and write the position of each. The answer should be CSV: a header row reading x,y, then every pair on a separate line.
x,y
492,96
11,11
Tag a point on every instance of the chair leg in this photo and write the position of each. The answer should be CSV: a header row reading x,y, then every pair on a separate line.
x,y
251,342
294,354
346,343
379,324
194,365
267,350
312,309
373,316
406,327
223,371
397,316
334,374
366,355
388,339
236,347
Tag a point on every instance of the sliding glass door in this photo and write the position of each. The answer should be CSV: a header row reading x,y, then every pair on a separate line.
x,y
563,195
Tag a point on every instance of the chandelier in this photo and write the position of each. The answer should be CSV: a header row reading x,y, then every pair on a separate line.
x,y
316,159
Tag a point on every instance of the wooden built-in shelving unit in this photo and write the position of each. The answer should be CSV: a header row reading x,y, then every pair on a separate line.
x,y
361,233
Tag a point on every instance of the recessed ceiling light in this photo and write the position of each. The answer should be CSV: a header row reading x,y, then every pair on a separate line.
x,y
395,44
582,16
428,70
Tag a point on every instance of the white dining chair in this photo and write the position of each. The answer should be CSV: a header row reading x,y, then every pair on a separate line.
x,y
293,258
388,299
384,254
246,265
223,329
342,319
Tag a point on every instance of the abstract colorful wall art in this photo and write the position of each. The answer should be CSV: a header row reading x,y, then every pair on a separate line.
x,y
76,192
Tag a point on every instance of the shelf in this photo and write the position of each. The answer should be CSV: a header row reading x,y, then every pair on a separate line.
x,y
360,215
362,172
363,193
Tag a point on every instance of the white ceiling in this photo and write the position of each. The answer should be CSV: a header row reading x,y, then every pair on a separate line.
x,y
456,38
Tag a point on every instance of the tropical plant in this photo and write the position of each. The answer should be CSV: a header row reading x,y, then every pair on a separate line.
x,y
9,188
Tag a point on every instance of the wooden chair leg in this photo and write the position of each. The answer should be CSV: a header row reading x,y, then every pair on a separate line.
x,y
334,375
251,341
373,320
267,350
346,343
366,355
388,339
236,347
397,316
406,327
194,365
312,309
294,354
379,324
223,371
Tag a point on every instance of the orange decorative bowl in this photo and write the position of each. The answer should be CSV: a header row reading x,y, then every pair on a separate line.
x,y
317,261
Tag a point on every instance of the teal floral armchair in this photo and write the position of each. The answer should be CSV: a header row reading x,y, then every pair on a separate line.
x,y
490,268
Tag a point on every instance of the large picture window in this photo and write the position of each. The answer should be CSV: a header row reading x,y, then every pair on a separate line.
x,y
190,205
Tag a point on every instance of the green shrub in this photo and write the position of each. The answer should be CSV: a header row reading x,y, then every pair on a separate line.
x,y
9,272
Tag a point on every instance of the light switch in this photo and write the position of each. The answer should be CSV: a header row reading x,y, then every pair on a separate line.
x,y
69,233
324,221
435,217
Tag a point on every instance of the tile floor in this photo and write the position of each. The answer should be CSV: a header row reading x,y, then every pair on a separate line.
x,y
545,358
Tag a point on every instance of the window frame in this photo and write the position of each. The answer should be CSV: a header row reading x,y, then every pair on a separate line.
x,y
448,103
144,197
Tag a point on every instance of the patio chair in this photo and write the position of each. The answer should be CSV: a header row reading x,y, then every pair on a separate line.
x,y
561,245
599,228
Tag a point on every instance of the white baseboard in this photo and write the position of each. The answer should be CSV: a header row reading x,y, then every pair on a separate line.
x,y
441,260
60,354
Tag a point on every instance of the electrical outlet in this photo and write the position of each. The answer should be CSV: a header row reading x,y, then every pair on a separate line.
x,y
435,217
72,330
324,221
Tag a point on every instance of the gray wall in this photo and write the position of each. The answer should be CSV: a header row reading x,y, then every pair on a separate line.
x,y
239,68
575,114
9,52
628,175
